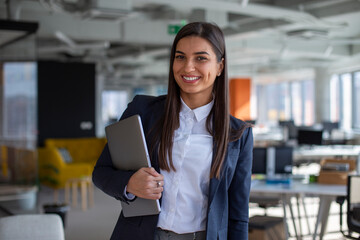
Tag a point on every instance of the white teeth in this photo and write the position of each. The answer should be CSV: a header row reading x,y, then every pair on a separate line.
x,y
191,78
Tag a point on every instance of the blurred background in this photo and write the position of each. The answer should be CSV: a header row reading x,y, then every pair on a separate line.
x,y
68,68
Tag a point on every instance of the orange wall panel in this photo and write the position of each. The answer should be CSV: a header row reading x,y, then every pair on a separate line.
x,y
240,91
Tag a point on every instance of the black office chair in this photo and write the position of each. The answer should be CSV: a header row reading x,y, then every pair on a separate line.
x,y
353,207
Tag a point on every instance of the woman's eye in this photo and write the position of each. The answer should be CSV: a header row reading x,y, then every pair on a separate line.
x,y
179,57
201,58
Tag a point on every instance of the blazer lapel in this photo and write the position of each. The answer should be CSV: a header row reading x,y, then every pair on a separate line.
x,y
214,182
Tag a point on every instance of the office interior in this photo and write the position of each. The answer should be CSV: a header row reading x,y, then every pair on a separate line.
x,y
69,68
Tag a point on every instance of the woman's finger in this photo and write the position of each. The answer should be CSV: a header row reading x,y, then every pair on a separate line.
x,y
151,171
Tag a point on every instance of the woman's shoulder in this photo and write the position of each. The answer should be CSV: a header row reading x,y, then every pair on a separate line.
x,y
236,123
145,101
143,104
240,130
149,100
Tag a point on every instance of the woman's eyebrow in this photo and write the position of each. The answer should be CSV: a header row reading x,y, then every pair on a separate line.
x,y
196,53
203,52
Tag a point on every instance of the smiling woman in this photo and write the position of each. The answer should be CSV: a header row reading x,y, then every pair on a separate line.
x,y
195,70
201,156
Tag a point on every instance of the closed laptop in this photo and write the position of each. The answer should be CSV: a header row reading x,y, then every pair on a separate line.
x,y
128,150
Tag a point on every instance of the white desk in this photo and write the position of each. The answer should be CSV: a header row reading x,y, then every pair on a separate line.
x,y
320,152
26,195
326,193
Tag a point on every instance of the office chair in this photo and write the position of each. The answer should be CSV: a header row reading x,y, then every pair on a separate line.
x,y
353,207
32,227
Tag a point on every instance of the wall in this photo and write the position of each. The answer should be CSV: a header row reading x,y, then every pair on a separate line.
x,y
240,93
1,100
66,100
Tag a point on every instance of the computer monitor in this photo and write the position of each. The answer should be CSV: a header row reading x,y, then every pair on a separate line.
x,y
309,137
259,160
290,125
329,126
286,122
283,160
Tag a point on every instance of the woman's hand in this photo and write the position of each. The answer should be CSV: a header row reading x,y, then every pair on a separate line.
x,y
146,183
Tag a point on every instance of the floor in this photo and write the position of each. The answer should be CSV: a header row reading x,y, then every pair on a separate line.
x,y
333,228
98,222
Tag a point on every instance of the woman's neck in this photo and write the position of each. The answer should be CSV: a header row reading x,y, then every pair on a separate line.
x,y
194,101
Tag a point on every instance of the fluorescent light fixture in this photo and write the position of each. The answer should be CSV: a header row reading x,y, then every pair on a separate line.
x,y
244,3
329,49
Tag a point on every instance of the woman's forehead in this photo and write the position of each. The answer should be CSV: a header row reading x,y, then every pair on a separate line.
x,y
194,44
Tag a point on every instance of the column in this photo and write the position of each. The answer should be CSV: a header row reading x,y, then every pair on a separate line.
x,y
322,95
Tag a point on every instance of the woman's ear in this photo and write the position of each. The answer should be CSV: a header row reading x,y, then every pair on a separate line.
x,y
221,66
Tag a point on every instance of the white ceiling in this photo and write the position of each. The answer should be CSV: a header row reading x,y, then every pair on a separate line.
x,y
129,39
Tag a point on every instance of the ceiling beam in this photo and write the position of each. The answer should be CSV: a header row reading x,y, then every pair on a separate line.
x,y
337,8
251,9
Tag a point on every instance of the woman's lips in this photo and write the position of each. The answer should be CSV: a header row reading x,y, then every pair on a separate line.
x,y
190,79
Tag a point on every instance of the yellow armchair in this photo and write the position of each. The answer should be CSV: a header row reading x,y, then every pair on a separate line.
x,y
54,171
82,150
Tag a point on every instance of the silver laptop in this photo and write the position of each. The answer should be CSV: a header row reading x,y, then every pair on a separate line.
x,y
128,150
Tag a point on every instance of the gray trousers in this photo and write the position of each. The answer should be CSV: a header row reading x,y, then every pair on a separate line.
x,y
169,235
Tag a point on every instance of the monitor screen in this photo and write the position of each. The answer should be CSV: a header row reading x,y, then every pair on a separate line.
x,y
283,160
290,125
286,122
329,126
309,137
259,160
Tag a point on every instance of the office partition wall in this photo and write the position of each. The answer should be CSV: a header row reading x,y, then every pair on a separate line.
x,y
66,100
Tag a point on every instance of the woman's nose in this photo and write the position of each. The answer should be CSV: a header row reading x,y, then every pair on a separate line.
x,y
189,66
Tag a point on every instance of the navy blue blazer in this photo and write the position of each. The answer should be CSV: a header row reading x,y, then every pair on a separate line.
x,y
228,212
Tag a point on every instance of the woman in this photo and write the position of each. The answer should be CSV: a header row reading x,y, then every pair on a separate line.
x,y
201,156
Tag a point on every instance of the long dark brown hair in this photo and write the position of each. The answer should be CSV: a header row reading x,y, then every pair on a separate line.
x,y
218,121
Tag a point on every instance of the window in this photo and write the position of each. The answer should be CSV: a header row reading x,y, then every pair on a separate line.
x,y
285,101
272,102
345,100
297,104
356,100
309,103
114,104
19,115
278,108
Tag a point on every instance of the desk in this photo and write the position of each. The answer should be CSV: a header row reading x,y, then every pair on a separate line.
x,y
320,152
326,193
25,195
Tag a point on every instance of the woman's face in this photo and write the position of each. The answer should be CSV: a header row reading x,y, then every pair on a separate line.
x,y
195,69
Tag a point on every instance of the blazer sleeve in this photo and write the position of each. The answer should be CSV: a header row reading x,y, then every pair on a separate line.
x,y
105,176
239,190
